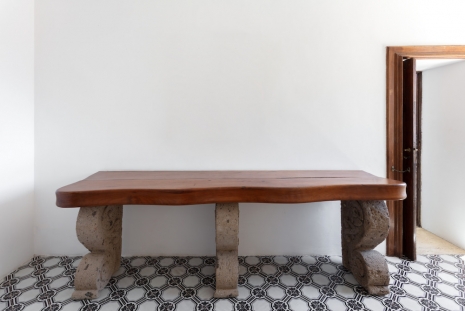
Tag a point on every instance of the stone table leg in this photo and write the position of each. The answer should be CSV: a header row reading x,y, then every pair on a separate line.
x,y
365,224
99,230
227,241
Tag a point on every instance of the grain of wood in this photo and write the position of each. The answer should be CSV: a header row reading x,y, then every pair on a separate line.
x,y
201,187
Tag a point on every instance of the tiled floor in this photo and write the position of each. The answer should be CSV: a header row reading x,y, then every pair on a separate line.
x,y
266,283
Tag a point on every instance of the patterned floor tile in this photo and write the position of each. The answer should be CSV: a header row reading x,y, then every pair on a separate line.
x,y
278,283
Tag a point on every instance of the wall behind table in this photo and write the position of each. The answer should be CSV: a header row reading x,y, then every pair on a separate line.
x,y
16,133
443,151
207,85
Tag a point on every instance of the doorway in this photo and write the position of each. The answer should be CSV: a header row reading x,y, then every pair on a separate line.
x,y
440,157
403,138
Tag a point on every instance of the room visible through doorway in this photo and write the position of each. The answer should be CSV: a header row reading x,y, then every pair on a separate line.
x,y
403,141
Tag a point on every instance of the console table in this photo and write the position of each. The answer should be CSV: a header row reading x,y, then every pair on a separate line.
x,y
365,218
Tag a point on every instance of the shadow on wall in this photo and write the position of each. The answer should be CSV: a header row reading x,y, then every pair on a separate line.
x,y
185,228
16,230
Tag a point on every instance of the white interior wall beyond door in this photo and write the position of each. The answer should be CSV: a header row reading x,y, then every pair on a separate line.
x,y
443,154
217,85
16,133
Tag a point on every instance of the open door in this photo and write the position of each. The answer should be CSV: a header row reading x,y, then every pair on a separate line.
x,y
403,137
410,154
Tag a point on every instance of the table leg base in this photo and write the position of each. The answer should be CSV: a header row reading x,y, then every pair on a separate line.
x,y
365,224
226,293
84,294
378,290
99,230
227,241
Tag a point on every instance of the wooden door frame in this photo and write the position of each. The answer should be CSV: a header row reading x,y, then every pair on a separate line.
x,y
419,143
394,58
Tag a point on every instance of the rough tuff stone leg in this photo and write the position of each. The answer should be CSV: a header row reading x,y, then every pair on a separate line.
x,y
99,230
227,241
365,224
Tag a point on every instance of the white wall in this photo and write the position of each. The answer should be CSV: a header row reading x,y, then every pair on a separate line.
x,y
443,154
16,133
190,85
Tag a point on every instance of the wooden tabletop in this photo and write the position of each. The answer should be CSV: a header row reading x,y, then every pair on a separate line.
x,y
199,187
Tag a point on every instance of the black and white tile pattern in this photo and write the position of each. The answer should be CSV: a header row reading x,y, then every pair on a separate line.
x,y
266,283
